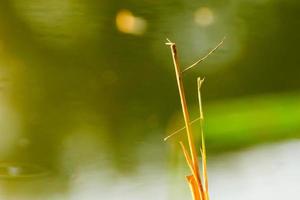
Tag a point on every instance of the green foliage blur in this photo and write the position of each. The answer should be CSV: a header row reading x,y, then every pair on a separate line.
x,y
97,75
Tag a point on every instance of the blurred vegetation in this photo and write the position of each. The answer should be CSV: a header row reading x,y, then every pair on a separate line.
x,y
71,79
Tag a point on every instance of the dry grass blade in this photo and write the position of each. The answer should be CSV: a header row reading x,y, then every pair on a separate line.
x,y
204,57
203,148
179,130
184,107
197,181
199,192
193,187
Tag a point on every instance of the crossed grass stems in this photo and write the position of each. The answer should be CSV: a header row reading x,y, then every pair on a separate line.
x,y
198,185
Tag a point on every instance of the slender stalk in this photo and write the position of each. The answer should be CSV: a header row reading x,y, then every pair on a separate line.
x,y
181,129
186,117
199,192
193,180
184,107
203,148
204,57
188,68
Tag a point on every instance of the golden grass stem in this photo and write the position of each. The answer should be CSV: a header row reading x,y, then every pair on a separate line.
x,y
199,192
184,107
196,187
204,57
181,129
203,148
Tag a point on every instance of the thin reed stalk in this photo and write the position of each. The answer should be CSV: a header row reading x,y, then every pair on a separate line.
x,y
186,116
198,186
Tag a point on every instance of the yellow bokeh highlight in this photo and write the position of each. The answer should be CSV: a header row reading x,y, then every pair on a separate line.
x,y
204,16
126,22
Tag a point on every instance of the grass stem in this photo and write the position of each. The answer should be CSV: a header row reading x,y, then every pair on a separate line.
x,y
199,190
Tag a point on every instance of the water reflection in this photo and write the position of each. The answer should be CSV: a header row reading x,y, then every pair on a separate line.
x,y
263,172
145,184
266,171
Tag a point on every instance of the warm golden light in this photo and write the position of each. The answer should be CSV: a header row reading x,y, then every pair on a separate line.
x,y
126,22
204,16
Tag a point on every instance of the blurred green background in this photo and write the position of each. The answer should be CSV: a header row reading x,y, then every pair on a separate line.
x,y
90,84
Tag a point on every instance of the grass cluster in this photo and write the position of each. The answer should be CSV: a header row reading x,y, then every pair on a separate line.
x,y
198,182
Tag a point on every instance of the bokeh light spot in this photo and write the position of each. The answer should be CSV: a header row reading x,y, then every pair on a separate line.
x,y
14,171
126,22
21,170
204,16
